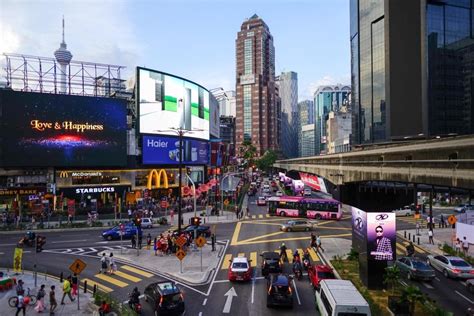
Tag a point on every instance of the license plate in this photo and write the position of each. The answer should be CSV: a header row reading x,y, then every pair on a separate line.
x,y
239,278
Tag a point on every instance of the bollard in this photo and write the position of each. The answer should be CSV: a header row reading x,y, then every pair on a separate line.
x,y
61,278
418,241
94,289
409,236
405,234
85,286
413,237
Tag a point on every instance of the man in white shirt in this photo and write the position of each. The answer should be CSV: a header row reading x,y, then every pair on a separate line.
x,y
465,246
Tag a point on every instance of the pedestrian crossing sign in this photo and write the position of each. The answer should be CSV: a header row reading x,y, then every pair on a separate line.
x,y
77,266
180,254
200,241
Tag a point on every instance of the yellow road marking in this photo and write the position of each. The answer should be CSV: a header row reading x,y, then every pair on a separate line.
x,y
262,223
253,257
127,276
241,255
254,216
267,215
137,271
235,236
225,262
400,249
419,249
259,237
300,251
289,254
106,278
99,286
314,256
260,216
286,239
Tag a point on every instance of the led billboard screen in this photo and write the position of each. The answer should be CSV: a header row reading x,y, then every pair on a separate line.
x,y
381,236
165,150
165,101
55,130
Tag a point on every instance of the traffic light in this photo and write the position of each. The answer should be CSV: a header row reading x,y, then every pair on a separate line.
x,y
196,221
137,221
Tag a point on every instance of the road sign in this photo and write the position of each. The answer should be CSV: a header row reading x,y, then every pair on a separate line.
x,y
77,266
180,254
452,219
181,241
200,241
122,227
417,216
226,202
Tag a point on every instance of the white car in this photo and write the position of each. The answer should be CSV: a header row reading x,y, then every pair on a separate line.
x,y
406,211
307,192
279,193
261,200
147,223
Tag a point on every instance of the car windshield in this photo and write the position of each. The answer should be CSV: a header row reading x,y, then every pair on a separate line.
x,y
419,264
173,298
239,265
326,275
459,263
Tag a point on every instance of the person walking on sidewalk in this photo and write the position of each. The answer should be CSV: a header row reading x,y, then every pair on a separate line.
x,y
74,285
134,241
52,300
318,243
465,246
458,246
67,290
213,241
39,308
112,265
418,226
148,241
20,305
103,264
442,221
430,237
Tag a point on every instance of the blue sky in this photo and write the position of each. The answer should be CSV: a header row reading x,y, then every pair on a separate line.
x,y
194,39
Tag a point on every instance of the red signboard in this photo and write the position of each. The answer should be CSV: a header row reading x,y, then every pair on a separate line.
x,y
313,181
71,207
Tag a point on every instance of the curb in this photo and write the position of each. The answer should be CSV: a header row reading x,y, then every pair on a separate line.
x,y
327,262
437,242
53,230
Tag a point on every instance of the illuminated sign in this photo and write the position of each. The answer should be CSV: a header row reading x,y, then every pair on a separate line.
x,y
95,190
247,79
160,150
42,126
156,175
79,174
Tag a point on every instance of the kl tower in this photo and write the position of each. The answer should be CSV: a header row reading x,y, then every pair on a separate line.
x,y
63,56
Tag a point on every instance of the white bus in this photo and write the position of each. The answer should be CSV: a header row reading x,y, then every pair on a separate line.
x,y
340,298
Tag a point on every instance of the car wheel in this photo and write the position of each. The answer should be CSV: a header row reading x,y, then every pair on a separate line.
x,y
445,273
288,229
306,229
429,262
409,276
282,213
318,216
109,238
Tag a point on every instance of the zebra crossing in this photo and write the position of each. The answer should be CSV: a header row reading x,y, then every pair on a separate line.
x,y
86,250
260,216
256,260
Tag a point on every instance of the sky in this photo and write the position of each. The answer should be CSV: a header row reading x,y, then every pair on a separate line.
x,y
194,39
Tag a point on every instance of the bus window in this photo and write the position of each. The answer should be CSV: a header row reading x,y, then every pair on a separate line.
x,y
272,206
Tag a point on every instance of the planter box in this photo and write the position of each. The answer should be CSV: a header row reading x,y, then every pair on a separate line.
x,y
398,307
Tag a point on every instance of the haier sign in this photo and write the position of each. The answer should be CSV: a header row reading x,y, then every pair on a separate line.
x,y
165,151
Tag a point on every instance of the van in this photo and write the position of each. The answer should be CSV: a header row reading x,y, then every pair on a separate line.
x,y
340,297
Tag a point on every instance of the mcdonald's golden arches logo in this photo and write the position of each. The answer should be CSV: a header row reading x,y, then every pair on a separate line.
x,y
63,174
156,175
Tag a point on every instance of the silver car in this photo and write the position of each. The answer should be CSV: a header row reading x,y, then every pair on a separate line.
x,y
147,222
297,225
451,266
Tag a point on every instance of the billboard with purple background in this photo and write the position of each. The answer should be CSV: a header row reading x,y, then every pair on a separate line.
x,y
381,236
164,150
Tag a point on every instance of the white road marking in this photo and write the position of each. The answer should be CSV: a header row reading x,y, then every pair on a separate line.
x,y
253,286
228,303
200,314
27,251
472,302
463,283
296,292
204,303
427,285
437,279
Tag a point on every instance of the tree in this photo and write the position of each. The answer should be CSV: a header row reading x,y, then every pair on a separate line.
x,y
391,277
248,152
267,160
412,294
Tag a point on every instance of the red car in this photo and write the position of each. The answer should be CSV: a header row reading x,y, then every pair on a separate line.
x,y
320,272
240,269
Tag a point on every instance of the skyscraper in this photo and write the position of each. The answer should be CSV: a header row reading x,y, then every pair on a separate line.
x,y
327,99
306,117
412,68
288,84
256,110
63,56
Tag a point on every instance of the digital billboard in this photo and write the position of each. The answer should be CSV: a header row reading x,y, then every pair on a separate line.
x,y
214,124
359,229
56,130
165,101
165,150
381,236
313,181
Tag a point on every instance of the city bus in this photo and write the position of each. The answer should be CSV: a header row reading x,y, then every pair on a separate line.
x,y
296,206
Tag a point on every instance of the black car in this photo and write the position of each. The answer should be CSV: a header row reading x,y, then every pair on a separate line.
x,y
415,268
201,230
165,298
279,291
270,263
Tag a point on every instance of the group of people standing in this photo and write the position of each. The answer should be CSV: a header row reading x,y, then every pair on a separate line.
x,y
107,264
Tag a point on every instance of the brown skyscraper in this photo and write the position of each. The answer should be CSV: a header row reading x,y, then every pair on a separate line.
x,y
256,119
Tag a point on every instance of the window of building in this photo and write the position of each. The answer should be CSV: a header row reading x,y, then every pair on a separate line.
x,y
248,56
247,112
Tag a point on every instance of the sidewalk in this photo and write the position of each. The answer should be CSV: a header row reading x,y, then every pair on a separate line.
x,y
169,265
87,306
441,236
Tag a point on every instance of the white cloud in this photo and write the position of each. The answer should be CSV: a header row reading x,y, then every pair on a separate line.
x,y
326,80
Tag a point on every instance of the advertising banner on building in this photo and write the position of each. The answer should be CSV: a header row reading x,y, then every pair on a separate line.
x,y
17,258
359,229
56,130
163,150
313,181
381,236
166,101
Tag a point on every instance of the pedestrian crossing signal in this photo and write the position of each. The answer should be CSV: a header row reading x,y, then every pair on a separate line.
x,y
196,221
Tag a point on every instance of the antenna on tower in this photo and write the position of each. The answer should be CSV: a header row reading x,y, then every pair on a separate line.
x,y
63,29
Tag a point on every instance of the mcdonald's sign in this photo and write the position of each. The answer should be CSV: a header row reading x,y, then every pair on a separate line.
x,y
63,174
156,176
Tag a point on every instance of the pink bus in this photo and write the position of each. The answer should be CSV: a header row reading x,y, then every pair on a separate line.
x,y
296,206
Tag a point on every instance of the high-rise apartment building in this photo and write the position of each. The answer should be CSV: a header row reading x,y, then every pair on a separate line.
x,y
288,87
256,109
412,68
227,104
306,117
307,140
327,99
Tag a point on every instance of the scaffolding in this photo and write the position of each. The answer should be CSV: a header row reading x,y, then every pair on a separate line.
x,y
44,75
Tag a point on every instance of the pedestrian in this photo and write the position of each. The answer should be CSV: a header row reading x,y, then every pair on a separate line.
x,y
442,222
465,246
458,246
418,228
318,243
155,245
430,236
151,214
40,299
140,236
74,282
148,241
129,214
52,300
112,265
248,211
134,241
19,288
213,241
20,305
103,264
67,290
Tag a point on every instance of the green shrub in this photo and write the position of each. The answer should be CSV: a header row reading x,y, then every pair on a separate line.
x,y
353,255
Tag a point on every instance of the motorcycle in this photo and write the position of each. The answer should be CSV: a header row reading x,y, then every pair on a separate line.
x,y
135,306
306,264
297,271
